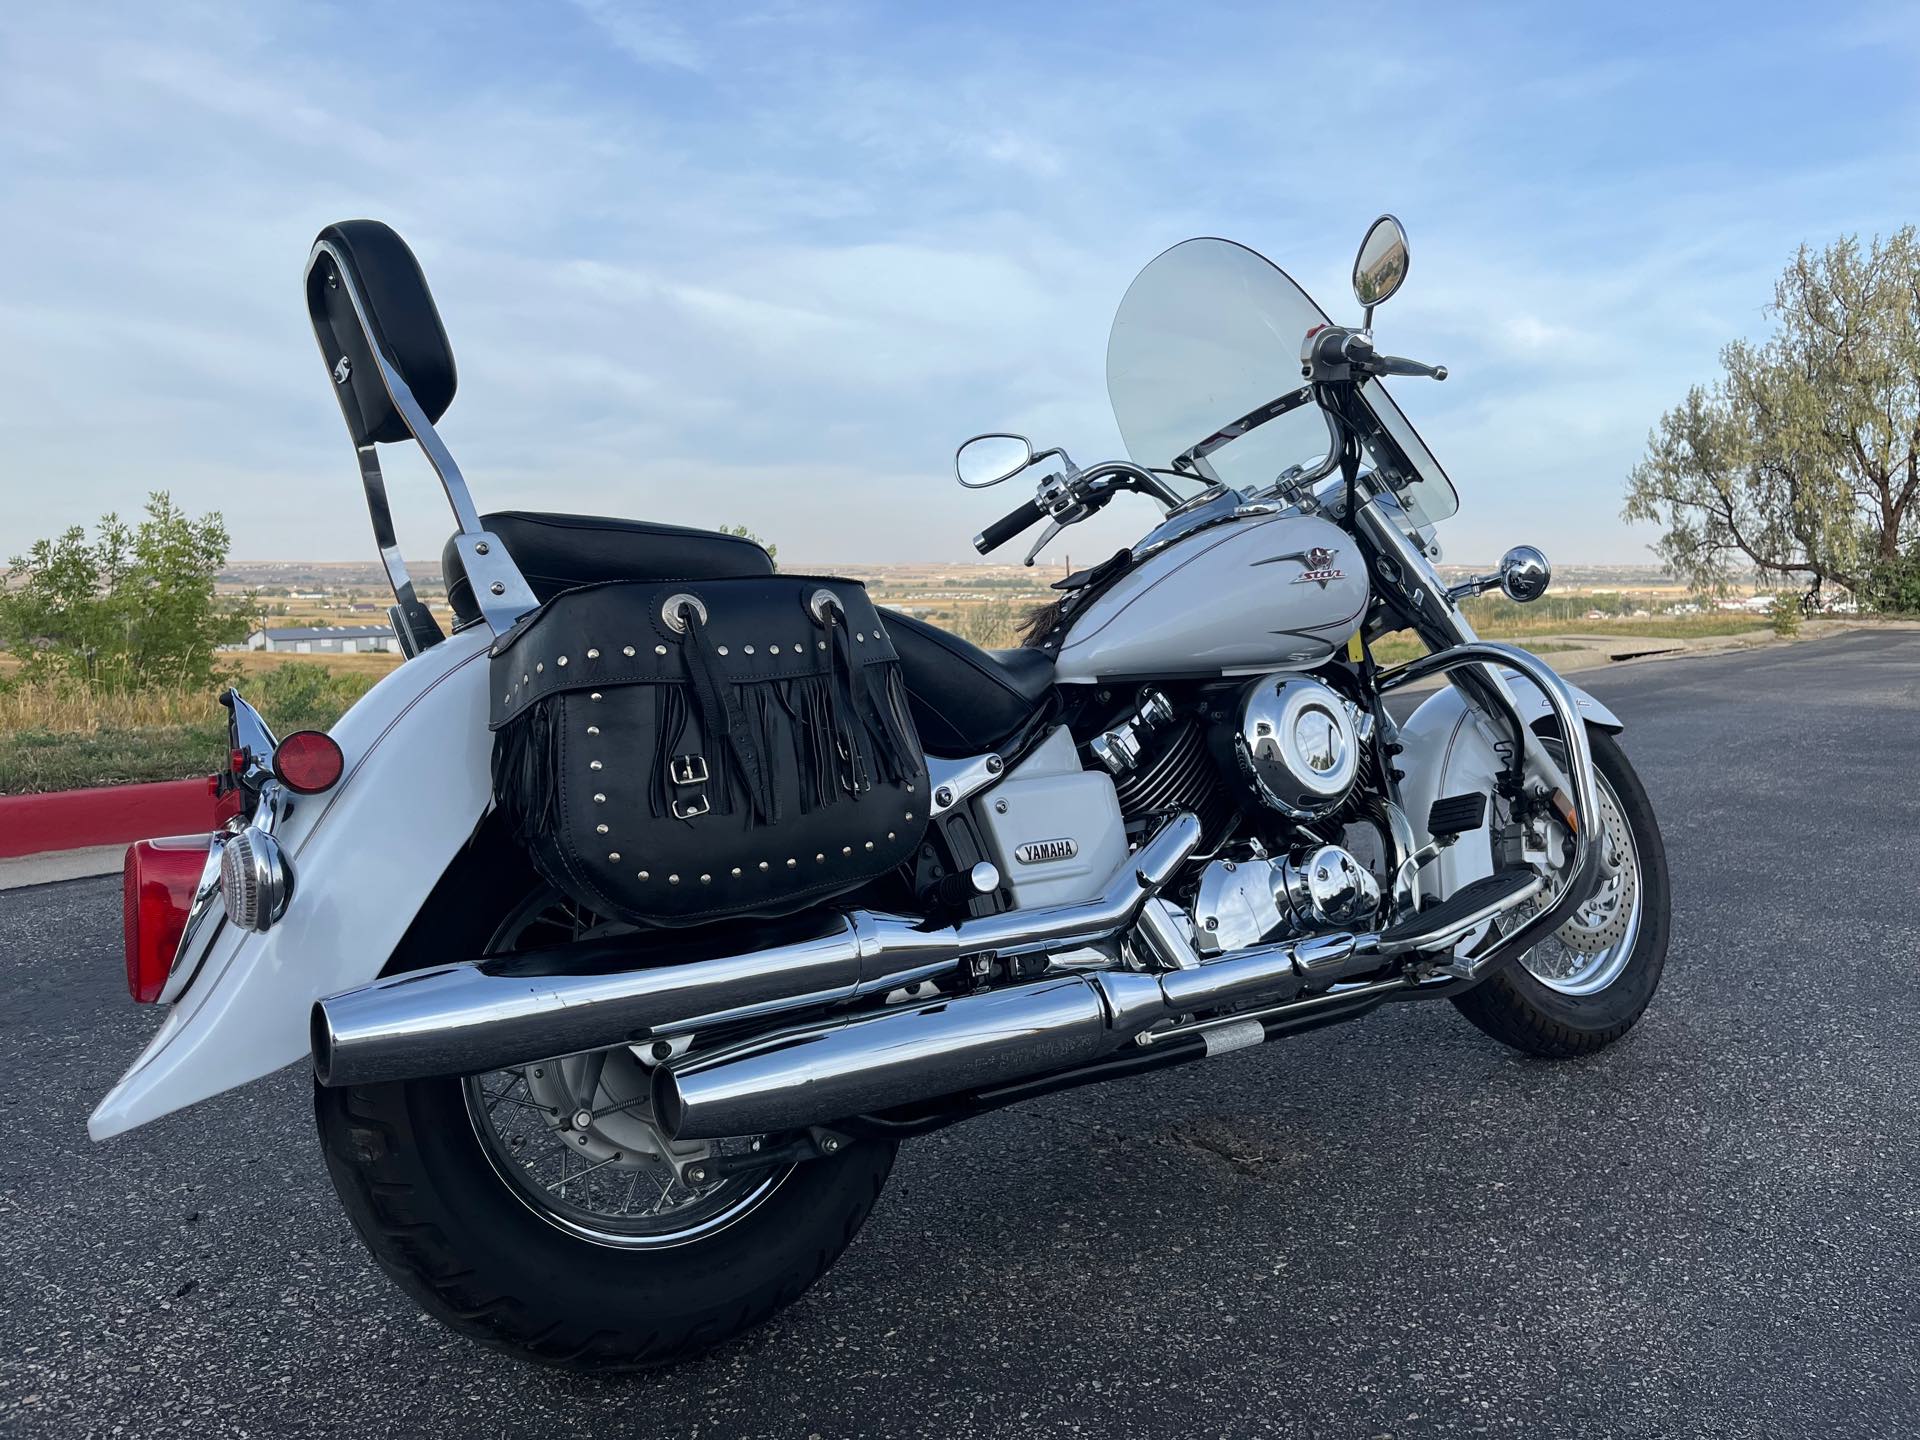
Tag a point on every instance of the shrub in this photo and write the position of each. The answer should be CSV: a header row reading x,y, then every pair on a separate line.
x,y
1784,614
1894,585
305,697
132,609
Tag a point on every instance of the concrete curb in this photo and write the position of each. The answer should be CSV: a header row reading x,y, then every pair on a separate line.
x,y
111,814
21,871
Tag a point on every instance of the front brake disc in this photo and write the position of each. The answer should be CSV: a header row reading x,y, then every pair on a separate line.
x,y
1602,921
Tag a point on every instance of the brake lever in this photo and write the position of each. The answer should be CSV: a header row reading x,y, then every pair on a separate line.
x,y
1054,527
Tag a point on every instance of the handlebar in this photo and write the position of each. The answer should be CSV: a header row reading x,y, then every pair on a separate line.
x,y
1073,494
1008,526
1353,349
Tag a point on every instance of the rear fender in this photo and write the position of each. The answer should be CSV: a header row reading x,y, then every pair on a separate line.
x,y
1452,748
365,856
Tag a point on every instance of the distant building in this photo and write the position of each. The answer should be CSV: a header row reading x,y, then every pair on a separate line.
x,y
325,640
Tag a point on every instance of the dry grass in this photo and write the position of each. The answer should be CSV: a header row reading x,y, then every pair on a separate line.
x,y
74,710
252,662
1659,627
71,710
62,737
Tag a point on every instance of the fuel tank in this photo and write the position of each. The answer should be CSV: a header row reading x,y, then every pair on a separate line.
x,y
1250,593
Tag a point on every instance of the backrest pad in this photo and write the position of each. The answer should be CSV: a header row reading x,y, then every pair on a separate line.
x,y
401,316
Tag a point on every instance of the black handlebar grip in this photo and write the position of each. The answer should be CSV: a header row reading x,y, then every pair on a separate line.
x,y
1007,526
1400,365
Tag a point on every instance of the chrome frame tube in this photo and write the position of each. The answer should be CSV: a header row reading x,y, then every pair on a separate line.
x,y
1439,622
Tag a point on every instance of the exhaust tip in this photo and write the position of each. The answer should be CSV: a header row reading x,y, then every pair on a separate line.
x,y
320,1039
669,1109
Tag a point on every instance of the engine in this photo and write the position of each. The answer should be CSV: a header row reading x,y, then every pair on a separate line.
x,y
1275,769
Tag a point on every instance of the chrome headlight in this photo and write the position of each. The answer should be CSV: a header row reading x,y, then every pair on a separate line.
x,y
254,880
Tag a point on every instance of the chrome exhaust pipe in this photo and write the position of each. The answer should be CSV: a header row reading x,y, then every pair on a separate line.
x,y
826,1073
481,1015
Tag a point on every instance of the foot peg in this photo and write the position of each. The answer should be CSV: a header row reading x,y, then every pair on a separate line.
x,y
1443,924
1454,816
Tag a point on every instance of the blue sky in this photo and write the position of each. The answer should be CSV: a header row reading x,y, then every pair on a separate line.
x,y
769,263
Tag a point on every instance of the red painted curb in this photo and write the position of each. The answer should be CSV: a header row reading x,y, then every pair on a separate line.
x,y
71,819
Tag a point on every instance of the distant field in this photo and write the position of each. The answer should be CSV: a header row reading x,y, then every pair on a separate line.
x,y
1401,646
1666,627
252,662
57,740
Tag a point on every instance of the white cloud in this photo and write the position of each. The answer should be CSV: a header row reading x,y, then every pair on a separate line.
x,y
775,277
642,32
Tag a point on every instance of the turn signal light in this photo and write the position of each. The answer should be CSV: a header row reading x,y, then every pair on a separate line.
x,y
308,761
158,880
254,880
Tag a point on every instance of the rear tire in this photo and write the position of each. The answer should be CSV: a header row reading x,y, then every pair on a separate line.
x,y
1518,1008
426,1201
428,1197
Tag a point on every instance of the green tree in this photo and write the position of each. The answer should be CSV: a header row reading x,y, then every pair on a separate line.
x,y
1803,459
130,609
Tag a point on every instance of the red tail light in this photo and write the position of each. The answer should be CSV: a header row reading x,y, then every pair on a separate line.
x,y
308,762
157,885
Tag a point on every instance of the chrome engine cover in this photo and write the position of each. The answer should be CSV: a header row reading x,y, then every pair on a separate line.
x,y
1298,743
1248,902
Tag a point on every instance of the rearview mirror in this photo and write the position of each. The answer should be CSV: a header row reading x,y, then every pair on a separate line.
x,y
988,459
1381,265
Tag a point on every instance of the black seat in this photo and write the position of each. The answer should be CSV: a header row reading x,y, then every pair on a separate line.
x,y
558,552
965,700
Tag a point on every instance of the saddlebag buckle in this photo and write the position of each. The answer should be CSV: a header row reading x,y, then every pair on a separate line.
x,y
689,772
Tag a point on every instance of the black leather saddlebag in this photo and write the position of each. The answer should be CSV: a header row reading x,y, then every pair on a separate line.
x,y
673,752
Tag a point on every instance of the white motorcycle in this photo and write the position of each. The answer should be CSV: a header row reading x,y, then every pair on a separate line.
x,y
632,925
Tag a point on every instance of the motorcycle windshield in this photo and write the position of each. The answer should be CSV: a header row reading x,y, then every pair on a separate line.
x,y
1209,336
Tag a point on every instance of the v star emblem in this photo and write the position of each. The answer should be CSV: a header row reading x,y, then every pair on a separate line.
x,y
1317,563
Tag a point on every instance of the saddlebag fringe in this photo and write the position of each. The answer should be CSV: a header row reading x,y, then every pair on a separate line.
x,y
682,751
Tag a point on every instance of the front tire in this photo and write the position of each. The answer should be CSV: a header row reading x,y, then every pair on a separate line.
x,y
1559,1011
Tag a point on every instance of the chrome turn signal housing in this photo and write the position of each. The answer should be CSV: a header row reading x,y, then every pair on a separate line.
x,y
254,880
1524,574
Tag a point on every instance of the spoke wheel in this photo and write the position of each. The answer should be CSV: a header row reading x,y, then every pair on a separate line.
x,y
573,1138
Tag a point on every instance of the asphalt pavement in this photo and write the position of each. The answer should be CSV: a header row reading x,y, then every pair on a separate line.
x,y
1395,1228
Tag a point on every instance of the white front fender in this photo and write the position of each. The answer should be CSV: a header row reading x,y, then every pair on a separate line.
x,y
1453,749
364,856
